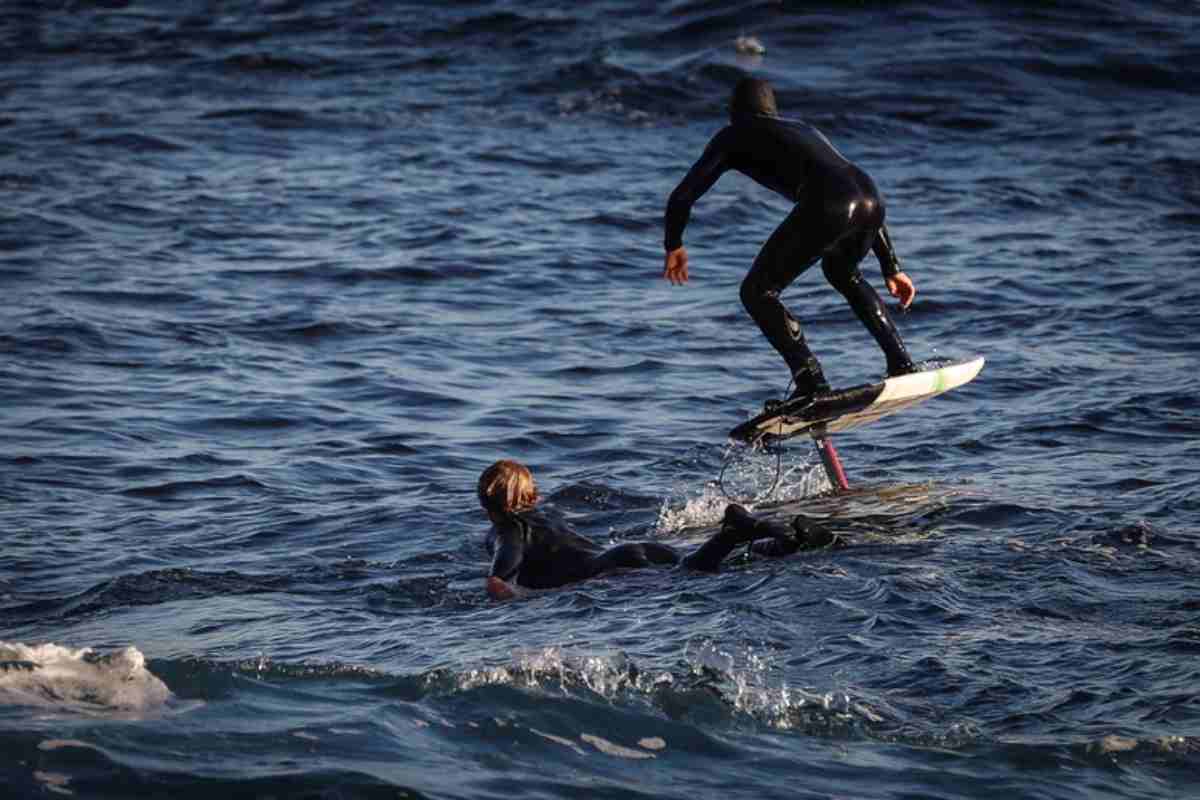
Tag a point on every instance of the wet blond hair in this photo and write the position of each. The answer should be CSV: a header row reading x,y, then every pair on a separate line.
x,y
506,487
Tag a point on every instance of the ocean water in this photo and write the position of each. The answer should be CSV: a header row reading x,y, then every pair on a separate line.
x,y
279,279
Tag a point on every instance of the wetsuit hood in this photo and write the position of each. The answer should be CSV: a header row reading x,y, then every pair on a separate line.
x,y
752,97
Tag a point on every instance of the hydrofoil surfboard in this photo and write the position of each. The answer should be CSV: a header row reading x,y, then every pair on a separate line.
x,y
845,409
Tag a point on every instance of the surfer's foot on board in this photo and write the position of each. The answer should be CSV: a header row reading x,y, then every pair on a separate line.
x,y
806,397
809,382
906,367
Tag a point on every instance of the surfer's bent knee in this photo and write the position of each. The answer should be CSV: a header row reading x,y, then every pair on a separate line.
x,y
756,287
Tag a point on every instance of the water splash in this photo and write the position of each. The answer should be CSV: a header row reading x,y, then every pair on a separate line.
x,y
607,675
745,680
750,477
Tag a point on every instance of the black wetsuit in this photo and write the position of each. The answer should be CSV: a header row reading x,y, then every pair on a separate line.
x,y
838,218
538,550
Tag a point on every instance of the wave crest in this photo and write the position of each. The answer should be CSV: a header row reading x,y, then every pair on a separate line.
x,y
79,680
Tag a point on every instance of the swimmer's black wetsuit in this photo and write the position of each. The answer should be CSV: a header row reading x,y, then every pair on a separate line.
x,y
838,218
538,550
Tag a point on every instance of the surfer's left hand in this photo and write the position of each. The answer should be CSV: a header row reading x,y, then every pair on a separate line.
x,y
902,288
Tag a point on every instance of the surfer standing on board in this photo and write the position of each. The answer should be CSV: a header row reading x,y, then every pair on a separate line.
x,y
838,218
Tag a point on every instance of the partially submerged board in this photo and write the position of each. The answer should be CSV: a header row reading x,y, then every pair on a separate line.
x,y
846,409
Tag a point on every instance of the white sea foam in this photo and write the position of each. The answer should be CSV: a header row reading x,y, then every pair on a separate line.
x,y
553,669
749,45
61,678
749,478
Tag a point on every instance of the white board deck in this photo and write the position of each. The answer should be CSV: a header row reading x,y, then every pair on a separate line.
x,y
860,405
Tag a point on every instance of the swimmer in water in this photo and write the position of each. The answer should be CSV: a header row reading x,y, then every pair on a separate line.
x,y
533,547
837,218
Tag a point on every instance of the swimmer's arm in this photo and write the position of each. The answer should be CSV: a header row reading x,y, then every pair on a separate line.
x,y
898,283
509,552
499,589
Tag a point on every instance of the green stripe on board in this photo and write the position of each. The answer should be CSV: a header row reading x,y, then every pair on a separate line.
x,y
940,384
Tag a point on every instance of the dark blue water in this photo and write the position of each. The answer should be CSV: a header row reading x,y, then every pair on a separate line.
x,y
278,280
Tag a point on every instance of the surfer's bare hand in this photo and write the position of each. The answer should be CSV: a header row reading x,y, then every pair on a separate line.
x,y
676,268
902,288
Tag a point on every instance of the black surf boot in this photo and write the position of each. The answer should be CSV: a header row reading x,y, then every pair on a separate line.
x,y
772,539
810,382
745,527
737,528
902,365
738,524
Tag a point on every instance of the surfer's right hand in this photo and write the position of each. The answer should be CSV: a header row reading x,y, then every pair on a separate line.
x,y
902,288
676,266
